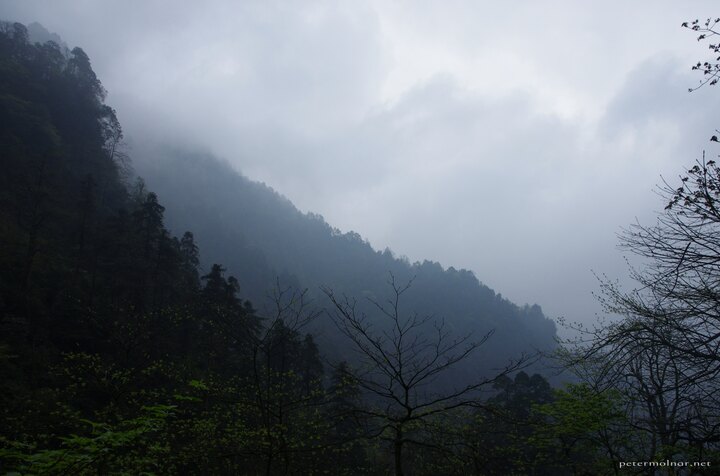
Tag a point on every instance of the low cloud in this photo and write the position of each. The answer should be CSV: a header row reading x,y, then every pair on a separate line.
x,y
513,143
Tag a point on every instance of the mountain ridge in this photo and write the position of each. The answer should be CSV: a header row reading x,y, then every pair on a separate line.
x,y
260,236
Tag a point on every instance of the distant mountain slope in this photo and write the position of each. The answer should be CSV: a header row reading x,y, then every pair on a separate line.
x,y
260,235
119,355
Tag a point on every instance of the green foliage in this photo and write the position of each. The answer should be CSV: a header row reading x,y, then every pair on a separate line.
x,y
582,430
496,439
133,446
118,356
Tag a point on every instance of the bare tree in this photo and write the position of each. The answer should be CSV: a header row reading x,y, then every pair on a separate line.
x,y
667,407
279,375
677,303
401,356
279,380
664,351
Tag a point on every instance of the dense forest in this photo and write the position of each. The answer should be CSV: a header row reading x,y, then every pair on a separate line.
x,y
259,236
266,342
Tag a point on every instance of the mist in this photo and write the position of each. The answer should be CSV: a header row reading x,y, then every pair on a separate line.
x,y
512,142
371,238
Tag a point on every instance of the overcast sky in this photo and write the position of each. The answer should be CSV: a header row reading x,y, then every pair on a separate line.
x,y
514,139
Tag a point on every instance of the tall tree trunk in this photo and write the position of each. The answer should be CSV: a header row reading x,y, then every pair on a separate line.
x,y
398,451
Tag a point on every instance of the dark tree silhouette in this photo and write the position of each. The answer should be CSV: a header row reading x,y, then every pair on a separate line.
x,y
399,360
708,30
664,352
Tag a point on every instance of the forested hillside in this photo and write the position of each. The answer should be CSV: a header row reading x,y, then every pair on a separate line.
x,y
260,236
263,341
118,353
